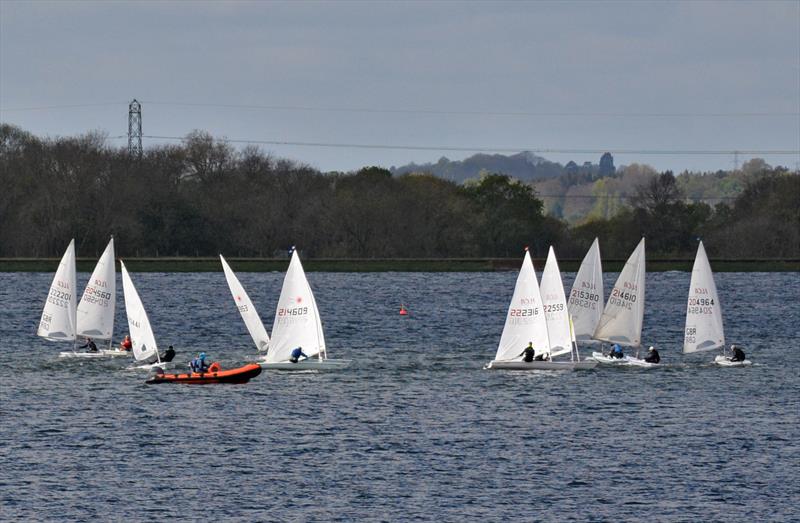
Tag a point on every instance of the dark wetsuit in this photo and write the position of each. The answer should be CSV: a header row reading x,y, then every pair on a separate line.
x,y
168,355
528,354
653,357
738,354
90,346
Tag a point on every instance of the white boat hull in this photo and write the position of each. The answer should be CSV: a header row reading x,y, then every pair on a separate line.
x,y
542,365
310,364
103,353
725,362
599,357
636,362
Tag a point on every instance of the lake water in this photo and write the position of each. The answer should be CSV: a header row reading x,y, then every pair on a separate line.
x,y
414,429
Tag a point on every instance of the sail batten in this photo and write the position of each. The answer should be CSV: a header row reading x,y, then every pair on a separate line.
x,y
623,315
704,329
245,306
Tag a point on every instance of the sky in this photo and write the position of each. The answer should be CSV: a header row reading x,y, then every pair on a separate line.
x,y
388,83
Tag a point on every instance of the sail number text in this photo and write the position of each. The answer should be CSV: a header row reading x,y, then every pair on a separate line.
x,y
95,295
294,311
585,299
59,298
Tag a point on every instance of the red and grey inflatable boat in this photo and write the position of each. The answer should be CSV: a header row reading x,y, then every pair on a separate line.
x,y
214,374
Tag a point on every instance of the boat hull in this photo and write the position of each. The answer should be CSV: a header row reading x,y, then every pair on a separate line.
x,y
599,357
103,353
725,362
542,365
240,375
310,364
637,362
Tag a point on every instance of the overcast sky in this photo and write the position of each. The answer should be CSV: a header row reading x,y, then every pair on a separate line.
x,y
547,75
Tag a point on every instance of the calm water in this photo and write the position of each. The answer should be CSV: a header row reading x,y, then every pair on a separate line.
x,y
414,429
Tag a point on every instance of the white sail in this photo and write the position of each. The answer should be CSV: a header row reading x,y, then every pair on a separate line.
x,y
703,311
249,314
59,315
555,307
144,342
525,320
297,321
624,313
586,298
97,306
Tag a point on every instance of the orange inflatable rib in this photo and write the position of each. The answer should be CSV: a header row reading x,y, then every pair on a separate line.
x,y
240,375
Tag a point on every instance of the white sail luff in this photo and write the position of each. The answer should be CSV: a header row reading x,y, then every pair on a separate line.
x,y
586,297
297,322
525,319
97,306
704,329
623,315
555,307
58,321
142,338
249,314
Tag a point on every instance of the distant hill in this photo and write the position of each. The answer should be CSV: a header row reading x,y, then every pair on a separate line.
x,y
524,166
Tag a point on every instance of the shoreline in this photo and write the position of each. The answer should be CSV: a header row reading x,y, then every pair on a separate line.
x,y
212,264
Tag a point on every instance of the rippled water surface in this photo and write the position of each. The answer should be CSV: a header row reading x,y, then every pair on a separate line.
x,y
414,429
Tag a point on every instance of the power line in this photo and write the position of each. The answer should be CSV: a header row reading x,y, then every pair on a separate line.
x,y
602,114
70,106
656,152
389,110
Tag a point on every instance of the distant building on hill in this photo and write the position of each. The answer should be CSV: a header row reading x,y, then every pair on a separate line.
x,y
571,167
607,165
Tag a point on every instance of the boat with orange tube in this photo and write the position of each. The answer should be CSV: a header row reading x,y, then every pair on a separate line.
x,y
214,374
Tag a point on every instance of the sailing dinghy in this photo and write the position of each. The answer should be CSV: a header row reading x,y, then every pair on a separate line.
x,y
704,330
58,321
526,322
95,317
622,318
249,314
298,324
142,337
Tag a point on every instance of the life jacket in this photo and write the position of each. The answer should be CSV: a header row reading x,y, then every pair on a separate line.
x,y
215,367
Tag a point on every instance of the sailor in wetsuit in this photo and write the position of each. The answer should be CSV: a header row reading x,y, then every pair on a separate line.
x,y
298,353
168,355
738,354
616,352
528,353
89,345
653,356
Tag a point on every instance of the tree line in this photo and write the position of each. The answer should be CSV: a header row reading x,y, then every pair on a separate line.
x,y
204,197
